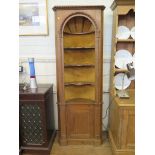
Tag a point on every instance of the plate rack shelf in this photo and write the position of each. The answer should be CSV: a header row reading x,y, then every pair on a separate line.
x,y
124,15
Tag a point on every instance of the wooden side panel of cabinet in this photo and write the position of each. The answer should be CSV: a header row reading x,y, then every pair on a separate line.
x,y
122,129
114,120
127,128
130,137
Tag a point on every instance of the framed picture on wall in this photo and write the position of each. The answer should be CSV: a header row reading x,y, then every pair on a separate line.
x,y
33,17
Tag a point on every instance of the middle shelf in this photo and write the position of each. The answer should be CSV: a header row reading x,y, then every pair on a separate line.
x,y
80,100
125,40
79,65
82,74
78,40
83,92
78,56
118,70
79,83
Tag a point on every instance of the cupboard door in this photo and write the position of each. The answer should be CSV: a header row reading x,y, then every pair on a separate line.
x,y
32,127
80,121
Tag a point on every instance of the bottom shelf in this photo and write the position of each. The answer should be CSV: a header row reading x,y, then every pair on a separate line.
x,y
80,101
86,92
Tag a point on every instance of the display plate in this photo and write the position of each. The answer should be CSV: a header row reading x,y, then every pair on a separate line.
x,y
121,81
122,58
123,32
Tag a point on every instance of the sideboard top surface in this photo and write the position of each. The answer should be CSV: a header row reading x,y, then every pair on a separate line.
x,y
42,89
125,102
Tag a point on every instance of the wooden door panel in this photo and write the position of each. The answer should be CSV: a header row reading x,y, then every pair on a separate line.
x,y
131,131
80,121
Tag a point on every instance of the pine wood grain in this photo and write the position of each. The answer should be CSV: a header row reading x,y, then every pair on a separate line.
x,y
79,42
104,149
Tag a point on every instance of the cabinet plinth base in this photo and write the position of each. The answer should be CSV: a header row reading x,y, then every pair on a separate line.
x,y
95,142
117,151
63,142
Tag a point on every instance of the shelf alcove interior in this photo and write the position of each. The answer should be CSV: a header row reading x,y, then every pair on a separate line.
x,y
79,60
127,20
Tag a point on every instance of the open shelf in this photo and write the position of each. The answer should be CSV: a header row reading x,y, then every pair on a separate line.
x,y
80,100
85,92
79,83
78,48
127,19
80,33
72,74
117,70
79,65
125,40
130,46
79,56
87,40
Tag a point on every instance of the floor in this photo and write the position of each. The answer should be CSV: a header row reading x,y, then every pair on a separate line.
x,y
104,149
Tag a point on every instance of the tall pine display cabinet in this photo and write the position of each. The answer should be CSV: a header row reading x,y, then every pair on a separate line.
x,y
79,60
122,110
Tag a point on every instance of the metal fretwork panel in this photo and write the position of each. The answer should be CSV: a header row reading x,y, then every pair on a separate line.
x,y
31,124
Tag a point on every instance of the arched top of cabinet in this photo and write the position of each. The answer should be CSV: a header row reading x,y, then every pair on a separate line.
x,y
78,7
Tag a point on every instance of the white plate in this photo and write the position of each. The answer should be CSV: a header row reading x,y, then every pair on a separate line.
x,y
123,32
133,60
132,32
121,81
122,58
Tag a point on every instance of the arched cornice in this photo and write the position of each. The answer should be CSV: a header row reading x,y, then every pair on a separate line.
x,y
75,14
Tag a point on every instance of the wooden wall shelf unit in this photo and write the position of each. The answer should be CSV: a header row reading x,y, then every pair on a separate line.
x,y
79,59
122,111
37,129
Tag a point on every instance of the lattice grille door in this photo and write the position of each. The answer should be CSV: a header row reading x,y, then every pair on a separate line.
x,y
31,124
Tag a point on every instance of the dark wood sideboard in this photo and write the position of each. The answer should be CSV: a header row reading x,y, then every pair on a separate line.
x,y
36,112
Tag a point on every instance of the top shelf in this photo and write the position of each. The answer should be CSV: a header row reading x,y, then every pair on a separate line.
x,y
80,33
79,83
117,70
125,40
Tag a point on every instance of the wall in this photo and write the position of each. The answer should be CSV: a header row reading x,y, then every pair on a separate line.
x,y
42,48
